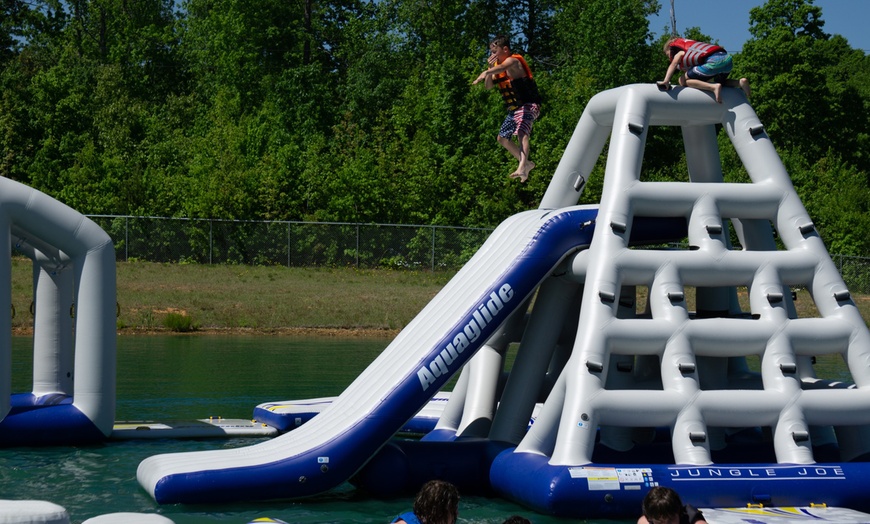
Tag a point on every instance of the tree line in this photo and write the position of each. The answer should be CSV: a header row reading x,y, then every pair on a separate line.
x,y
363,110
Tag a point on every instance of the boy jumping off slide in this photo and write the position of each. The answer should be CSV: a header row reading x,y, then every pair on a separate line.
x,y
512,75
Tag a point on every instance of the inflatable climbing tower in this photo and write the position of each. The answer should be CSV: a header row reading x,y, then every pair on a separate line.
x,y
662,341
632,356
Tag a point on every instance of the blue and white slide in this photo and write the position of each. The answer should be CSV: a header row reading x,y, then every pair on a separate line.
x,y
329,449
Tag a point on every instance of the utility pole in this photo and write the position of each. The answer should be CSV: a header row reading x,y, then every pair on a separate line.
x,y
673,20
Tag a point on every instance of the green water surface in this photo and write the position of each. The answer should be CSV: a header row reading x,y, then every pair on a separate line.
x,y
191,377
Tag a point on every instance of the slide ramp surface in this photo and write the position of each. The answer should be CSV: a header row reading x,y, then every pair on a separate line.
x,y
333,446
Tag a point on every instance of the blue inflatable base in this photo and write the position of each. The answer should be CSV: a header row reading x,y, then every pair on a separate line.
x,y
46,421
616,491
611,490
284,422
401,467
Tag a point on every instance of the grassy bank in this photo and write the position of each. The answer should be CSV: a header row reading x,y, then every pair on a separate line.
x,y
162,297
180,297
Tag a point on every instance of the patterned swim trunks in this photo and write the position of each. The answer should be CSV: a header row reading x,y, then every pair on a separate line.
x,y
716,67
520,120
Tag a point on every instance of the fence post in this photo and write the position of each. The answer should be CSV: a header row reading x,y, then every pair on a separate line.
x,y
432,265
288,244
126,239
357,246
210,240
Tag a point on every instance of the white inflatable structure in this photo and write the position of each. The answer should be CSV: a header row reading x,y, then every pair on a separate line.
x,y
639,355
634,358
74,338
74,308
32,512
42,512
692,394
634,367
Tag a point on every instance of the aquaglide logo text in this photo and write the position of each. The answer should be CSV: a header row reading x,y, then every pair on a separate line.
x,y
485,313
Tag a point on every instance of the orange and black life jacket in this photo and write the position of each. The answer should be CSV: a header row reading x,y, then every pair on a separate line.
x,y
518,91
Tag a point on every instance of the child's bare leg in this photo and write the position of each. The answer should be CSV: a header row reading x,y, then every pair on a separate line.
x,y
521,154
509,144
526,165
744,85
716,88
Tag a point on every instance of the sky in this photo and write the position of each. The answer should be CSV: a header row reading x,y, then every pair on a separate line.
x,y
728,20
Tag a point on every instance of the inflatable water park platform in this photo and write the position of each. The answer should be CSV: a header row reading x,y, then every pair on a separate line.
x,y
212,427
288,415
633,324
594,350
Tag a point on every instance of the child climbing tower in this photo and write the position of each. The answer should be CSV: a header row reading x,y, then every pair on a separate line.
x,y
636,367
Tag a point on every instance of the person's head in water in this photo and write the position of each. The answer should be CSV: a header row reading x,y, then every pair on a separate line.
x,y
662,506
437,502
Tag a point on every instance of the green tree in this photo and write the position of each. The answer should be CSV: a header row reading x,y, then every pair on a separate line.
x,y
800,81
836,197
362,110
805,91
93,70
14,12
606,38
26,31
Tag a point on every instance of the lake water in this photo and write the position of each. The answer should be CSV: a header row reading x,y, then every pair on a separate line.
x,y
192,377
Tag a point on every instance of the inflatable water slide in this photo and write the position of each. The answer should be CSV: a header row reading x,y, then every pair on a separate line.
x,y
330,448
636,355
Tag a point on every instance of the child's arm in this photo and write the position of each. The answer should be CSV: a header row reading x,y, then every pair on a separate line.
x,y
672,67
490,73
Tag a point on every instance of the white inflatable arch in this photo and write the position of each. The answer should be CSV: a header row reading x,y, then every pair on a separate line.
x,y
73,358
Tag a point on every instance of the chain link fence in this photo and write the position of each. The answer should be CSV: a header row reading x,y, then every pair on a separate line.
x,y
855,272
334,244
